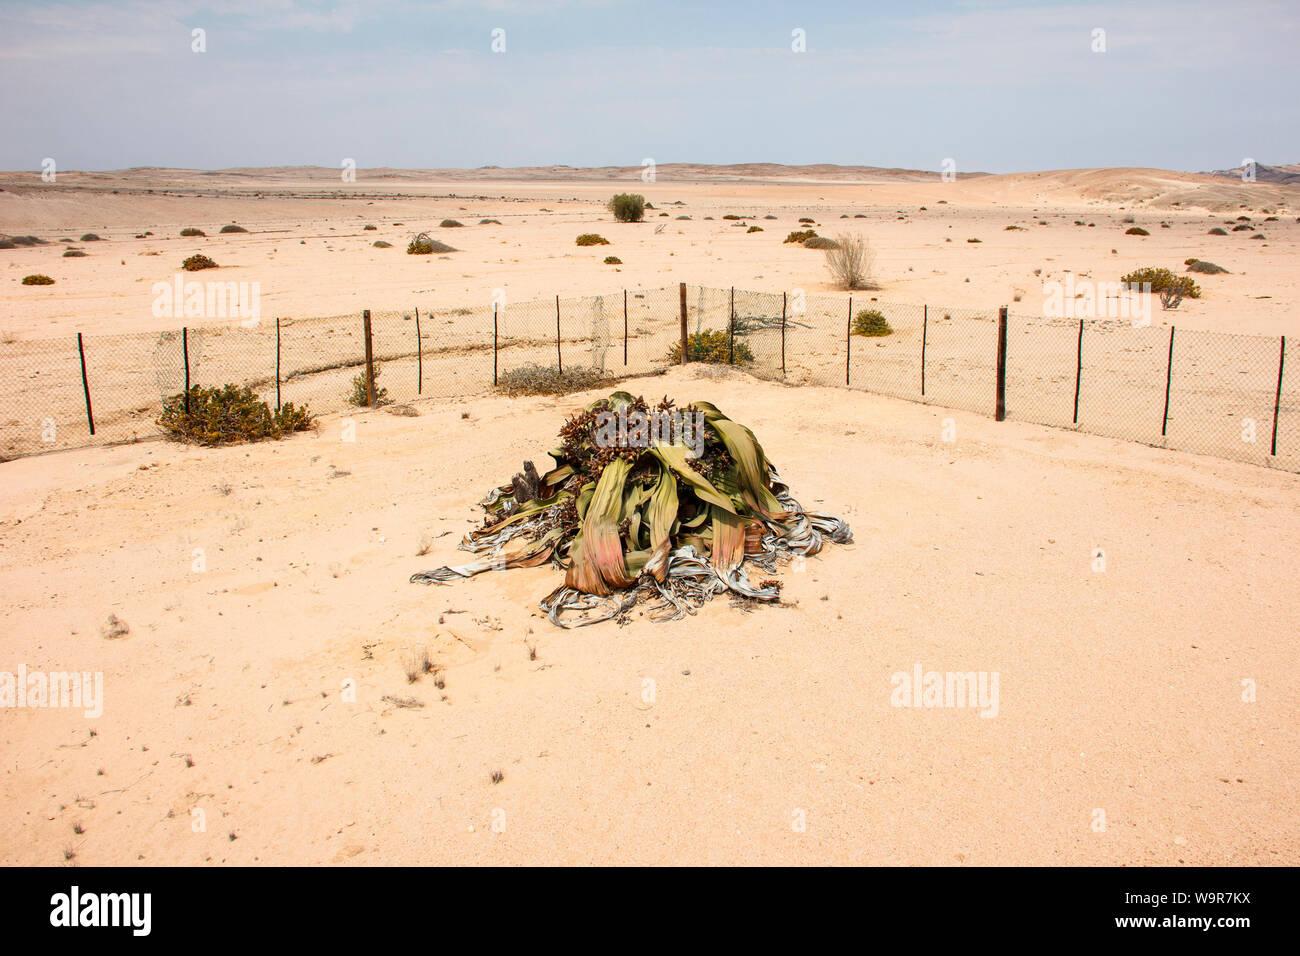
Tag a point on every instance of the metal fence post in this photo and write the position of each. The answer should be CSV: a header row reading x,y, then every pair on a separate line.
x,y
559,357
277,363
85,384
848,341
1078,373
419,355
1169,377
1277,398
494,342
1000,411
625,327
370,360
925,330
681,288
731,330
185,352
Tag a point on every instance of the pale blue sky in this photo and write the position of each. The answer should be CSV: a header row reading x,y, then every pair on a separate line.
x,y
1002,85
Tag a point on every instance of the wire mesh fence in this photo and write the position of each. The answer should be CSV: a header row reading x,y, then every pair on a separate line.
x,y
1207,392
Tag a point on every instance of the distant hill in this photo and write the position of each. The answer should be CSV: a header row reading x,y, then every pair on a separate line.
x,y
1281,175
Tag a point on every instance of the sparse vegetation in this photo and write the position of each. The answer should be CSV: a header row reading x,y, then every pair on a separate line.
x,y
627,207
1136,231
871,322
233,228
450,224
850,262
90,237
1207,268
380,244
37,280
1218,231
592,239
613,261
1171,288
228,415
753,229
424,245
534,379
369,228
712,346
198,262
74,254
359,396
801,236
190,231
820,242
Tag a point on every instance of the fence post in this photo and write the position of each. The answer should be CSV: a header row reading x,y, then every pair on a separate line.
x,y
277,363
625,327
370,361
1078,373
731,330
681,288
85,384
185,351
1169,376
848,341
419,355
1277,398
559,357
1000,412
494,343
925,330
783,307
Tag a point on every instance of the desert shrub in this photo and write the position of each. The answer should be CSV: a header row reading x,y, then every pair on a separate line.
x,y
805,219
191,231
1171,288
450,224
1207,268
1259,235
228,415
1218,231
37,280
753,229
90,237
1013,228
591,239
627,207
871,322
974,240
73,254
369,228
380,244
1243,228
850,262
1128,219
7,244
711,346
820,242
233,228
613,261
1136,231
197,262
801,236
489,222
534,379
359,396
1243,219
769,217
730,216
684,217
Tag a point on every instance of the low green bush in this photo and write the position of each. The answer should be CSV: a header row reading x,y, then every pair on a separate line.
x,y
712,346
871,322
228,415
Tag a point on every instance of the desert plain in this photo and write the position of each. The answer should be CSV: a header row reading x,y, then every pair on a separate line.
x,y
257,709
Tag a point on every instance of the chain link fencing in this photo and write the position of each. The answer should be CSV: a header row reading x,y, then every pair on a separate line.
x,y
1207,392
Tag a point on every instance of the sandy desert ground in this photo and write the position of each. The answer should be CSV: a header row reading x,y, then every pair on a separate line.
x,y
1121,690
